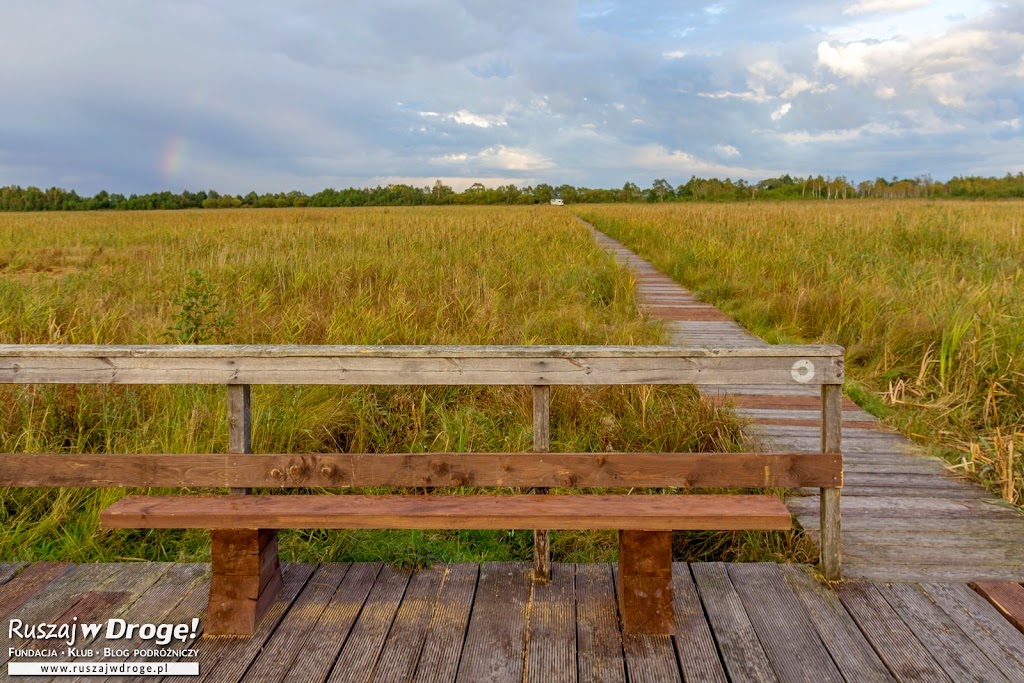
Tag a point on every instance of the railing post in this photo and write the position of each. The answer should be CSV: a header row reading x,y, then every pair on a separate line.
x,y
831,521
239,424
541,444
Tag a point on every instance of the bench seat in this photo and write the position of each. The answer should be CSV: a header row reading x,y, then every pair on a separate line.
x,y
634,512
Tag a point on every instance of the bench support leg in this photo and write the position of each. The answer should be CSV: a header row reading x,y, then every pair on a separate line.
x,y
246,579
644,582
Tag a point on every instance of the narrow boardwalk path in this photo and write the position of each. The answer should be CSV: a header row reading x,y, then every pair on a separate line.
x,y
905,517
491,622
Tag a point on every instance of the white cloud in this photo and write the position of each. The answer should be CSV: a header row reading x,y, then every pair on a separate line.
x,y
502,157
727,94
727,151
859,60
674,54
870,6
781,111
660,160
804,137
885,92
467,118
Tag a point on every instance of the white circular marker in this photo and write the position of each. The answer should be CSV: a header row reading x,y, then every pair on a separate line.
x,y
803,371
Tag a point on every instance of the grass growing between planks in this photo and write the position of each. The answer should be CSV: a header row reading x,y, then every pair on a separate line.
x,y
376,276
927,298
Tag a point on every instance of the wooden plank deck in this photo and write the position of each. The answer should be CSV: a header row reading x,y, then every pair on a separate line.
x,y
491,622
906,517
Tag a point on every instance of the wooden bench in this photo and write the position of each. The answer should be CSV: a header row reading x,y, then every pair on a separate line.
x,y
246,573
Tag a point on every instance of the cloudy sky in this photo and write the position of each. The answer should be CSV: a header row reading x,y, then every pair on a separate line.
x,y
139,96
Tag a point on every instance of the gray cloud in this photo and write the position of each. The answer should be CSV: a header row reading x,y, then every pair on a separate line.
x,y
136,97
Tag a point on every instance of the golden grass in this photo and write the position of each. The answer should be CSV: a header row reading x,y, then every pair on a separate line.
x,y
927,298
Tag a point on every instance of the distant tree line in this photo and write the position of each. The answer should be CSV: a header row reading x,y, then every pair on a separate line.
x,y
786,187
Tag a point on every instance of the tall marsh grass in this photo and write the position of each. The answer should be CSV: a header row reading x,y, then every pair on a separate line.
x,y
457,275
927,298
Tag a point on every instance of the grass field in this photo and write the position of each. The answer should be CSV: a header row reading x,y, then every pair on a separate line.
x,y
459,275
927,298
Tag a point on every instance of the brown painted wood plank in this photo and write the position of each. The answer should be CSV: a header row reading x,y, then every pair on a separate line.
x,y
1001,642
891,638
1007,597
35,578
225,660
652,512
401,650
649,658
950,647
599,641
838,631
496,638
298,631
446,632
783,626
358,659
551,632
695,646
335,470
643,582
742,653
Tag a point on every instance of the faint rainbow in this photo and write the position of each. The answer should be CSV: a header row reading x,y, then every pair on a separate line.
x,y
172,158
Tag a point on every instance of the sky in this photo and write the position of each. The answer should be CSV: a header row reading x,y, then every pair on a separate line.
x,y
138,96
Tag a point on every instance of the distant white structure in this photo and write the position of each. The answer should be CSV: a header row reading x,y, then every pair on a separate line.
x,y
557,202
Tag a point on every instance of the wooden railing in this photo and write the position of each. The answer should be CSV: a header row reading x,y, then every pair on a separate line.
x,y
239,367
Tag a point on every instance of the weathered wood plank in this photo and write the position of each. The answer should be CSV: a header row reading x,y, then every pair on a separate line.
x,y
177,598
551,640
1005,596
401,650
1001,642
742,654
239,424
35,578
604,470
598,639
46,606
446,633
917,573
782,624
652,512
358,659
296,642
171,351
960,657
851,653
541,444
890,637
830,530
695,646
527,365
8,570
881,550
226,660
496,638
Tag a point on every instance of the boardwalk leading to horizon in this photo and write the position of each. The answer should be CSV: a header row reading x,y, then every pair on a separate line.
x,y
491,622
905,516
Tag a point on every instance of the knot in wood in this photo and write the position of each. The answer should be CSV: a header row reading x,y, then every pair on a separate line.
x,y
327,470
294,471
276,473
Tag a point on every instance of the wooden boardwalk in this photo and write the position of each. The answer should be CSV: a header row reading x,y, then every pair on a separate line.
x,y
491,622
905,516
